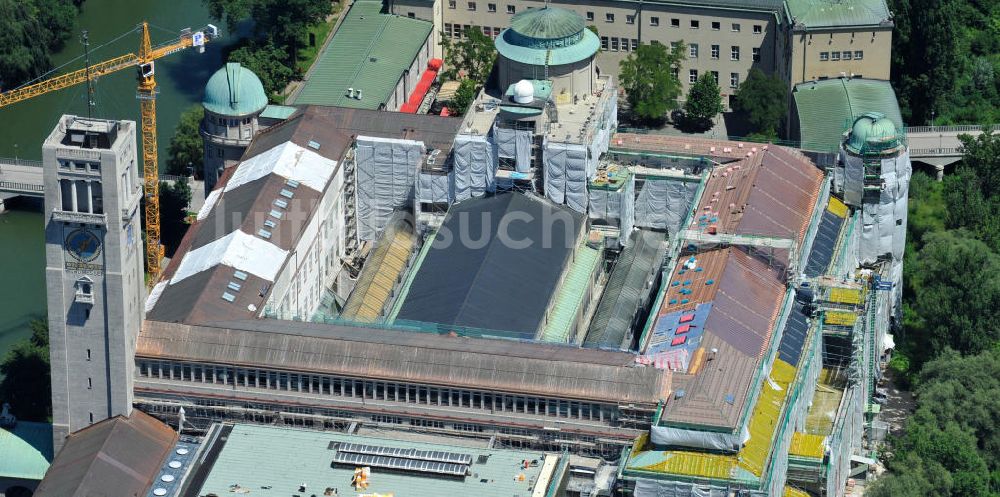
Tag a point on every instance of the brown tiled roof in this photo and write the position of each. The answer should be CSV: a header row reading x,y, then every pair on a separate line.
x,y
478,363
120,456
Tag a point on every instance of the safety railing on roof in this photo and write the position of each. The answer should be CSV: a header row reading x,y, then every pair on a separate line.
x,y
952,129
6,161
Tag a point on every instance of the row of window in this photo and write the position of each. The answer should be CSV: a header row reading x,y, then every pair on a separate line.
x,y
81,196
734,77
610,17
374,390
68,165
845,55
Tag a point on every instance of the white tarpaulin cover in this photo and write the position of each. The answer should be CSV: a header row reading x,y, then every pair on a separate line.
x,y
434,188
514,144
883,225
565,173
645,487
665,436
154,295
209,203
663,204
387,174
289,161
617,207
237,250
475,167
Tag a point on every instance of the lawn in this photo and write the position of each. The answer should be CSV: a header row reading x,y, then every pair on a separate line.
x,y
320,31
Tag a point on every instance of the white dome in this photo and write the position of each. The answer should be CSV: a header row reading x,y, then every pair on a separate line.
x,y
524,92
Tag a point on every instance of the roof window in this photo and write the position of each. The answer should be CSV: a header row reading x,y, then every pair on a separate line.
x,y
234,286
281,203
286,193
264,234
276,214
292,183
240,275
228,297
269,223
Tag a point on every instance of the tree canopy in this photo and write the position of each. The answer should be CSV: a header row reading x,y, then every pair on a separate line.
x,y
174,200
33,30
471,57
649,79
464,97
267,61
704,102
945,56
186,148
26,383
763,100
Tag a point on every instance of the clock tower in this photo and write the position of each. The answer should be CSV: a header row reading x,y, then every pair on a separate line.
x,y
93,269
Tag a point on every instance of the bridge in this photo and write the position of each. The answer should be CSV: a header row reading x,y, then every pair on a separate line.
x,y
939,146
21,177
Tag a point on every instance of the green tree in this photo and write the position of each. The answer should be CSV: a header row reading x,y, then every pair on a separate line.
x,y
704,102
284,21
26,383
174,201
464,97
763,100
268,62
930,58
186,148
973,192
953,280
647,76
471,57
22,56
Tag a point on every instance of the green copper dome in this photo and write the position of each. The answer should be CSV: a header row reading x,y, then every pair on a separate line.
x,y
234,91
547,36
547,23
872,133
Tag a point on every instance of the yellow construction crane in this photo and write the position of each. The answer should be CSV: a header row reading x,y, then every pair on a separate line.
x,y
147,102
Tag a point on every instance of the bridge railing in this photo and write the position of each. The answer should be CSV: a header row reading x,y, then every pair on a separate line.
x,y
20,162
918,152
15,186
966,128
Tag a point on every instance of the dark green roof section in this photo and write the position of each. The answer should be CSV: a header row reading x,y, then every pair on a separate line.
x,y
827,108
547,23
369,52
837,13
234,91
278,112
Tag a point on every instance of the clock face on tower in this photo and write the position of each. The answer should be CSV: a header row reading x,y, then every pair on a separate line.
x,y
84,245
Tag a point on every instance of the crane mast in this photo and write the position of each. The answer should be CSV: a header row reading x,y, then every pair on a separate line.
x,y
146,94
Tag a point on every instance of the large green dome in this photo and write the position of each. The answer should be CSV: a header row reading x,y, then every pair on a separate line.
x,y
234,91
872,133
547,23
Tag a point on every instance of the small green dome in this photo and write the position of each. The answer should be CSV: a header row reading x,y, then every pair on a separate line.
x,y
872,133
234,91
548,24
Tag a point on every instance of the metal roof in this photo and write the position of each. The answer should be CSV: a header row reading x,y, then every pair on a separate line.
x,y
386,354
25,450
547,23
572,292
117,456
508,46
369,52
285,458
381,271
838,13
826,108
234,91
495,264
278,112
626,290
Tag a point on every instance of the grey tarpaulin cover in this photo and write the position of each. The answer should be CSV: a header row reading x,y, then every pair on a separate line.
x,y
475,167
883,225
663,204
645,487
854,178
514,144
566,174
434,188
665,436
617,207
387,172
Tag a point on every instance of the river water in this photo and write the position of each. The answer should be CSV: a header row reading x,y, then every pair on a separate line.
x,y
181,78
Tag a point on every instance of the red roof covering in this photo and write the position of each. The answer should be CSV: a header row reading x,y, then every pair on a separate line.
x,y
420,91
